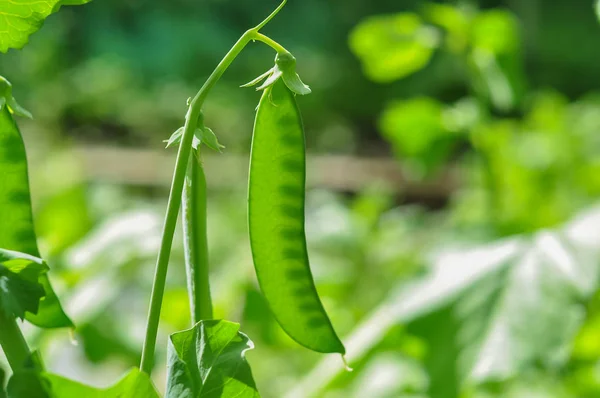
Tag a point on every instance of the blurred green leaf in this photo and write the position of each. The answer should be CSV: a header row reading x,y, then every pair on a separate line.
x,y
24,17
16,221
495,31
209,361
62,220
413,125
391,47
496,59
418,130
454,20
490,312
521,314
135,384
20,290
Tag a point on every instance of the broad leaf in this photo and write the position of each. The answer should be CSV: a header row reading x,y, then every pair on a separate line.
x,y
412,126
21,18
20,289
135,384
391,47
491,312
16,221
209,361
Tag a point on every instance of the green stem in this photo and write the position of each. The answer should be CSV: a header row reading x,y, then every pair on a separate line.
x,y
271,16
195,240
174,203
13,343
270,42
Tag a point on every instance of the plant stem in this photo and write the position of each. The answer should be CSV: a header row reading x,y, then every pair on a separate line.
x,y
13,343
195,240
270,42
174,203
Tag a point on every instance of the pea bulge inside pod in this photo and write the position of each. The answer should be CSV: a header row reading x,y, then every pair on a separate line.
x,y
276,199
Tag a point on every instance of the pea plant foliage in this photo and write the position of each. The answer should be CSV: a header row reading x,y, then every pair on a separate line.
x,y
207,360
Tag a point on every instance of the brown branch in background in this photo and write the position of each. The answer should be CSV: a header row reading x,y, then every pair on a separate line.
x,y
341,173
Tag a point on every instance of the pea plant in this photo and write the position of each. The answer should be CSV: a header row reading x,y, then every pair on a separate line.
x,y
207,360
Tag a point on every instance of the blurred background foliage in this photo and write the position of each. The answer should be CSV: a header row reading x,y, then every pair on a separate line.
x,y
483,289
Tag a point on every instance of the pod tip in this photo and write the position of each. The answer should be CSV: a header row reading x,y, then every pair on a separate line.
x,y
72,337
346,366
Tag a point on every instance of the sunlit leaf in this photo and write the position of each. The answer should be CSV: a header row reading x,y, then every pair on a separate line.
x,y
413,125
418,130
209,361
496,59
495,31
135,384
391,47
454,20
16,221
21,18
490,312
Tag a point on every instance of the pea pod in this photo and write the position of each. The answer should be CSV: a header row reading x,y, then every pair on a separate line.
x,y
276,219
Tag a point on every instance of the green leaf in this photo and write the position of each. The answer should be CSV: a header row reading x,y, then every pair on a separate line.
x,y
598,8
202,135
210,140
391,47
209,361
258,79
135,384
454,20
20,289
490,312
419,130
412,126
16,221
21,18
175,138
496,59
521,314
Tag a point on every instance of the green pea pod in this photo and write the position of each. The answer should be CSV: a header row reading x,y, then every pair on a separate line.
x,y
276,219
195,241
